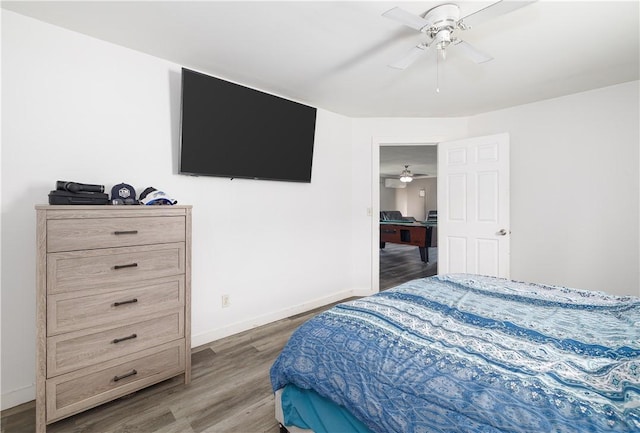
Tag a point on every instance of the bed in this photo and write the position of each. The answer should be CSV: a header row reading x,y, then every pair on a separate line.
x,y
465,353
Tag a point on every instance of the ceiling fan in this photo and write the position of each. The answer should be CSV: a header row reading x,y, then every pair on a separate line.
x,y
407,175
441,22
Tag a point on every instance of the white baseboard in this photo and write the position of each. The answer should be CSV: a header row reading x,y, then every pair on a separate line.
x,y
235,328
17,397
364,292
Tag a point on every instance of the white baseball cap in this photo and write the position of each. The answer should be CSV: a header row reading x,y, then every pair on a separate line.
x,y
152,196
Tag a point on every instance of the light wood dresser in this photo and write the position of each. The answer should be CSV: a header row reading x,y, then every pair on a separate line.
x,y
113,303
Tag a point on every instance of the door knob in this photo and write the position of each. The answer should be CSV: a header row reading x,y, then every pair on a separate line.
x,y
502,232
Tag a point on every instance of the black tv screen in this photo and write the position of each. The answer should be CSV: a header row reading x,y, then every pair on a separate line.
x,y
233,131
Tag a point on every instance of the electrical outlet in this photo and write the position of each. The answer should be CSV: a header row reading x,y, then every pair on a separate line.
x,y
226,301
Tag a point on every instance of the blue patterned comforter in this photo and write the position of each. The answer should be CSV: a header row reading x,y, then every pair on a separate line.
x,y
465,353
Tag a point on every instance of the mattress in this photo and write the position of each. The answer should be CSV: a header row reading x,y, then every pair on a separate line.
x,y
281,418
466,353
304,411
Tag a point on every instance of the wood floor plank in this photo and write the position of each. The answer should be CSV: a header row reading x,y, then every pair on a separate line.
x,y
260,415
21,418
401,263
179,426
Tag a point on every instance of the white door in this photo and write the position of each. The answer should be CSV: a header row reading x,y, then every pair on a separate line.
x,y
473,206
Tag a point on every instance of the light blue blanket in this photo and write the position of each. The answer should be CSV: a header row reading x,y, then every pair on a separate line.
x,y
465,353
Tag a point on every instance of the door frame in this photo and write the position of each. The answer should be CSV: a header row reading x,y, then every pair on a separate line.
x,y
376,142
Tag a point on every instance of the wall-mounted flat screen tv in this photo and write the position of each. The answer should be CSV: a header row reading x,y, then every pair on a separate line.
x,y
233,131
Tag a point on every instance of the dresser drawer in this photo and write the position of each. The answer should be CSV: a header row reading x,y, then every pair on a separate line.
x,y
73,311
88,234
80,390
108,268
74,350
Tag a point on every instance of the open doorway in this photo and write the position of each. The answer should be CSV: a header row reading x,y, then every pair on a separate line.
x,y
408,212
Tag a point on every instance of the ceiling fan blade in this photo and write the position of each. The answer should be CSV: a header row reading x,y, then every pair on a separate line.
x,y
493,10
406,18
472,53
413,55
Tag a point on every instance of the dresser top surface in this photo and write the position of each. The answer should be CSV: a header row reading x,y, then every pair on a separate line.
x,y
49,212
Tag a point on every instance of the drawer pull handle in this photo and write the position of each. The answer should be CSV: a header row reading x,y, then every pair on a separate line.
x,y
130,337
130,301
126,232
124,376
130,265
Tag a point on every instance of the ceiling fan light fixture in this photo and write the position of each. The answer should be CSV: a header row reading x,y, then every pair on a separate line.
x,y
443,39
441,22
406,175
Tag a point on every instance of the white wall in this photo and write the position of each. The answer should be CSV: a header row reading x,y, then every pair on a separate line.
x,y
401,201
75,108
387,197
418,207
1,140
368,134
574,188
79,109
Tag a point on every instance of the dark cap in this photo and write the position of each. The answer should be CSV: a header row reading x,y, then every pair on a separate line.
x,y
124,193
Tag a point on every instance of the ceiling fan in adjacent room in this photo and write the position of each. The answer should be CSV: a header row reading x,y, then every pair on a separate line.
x,y
407,175
440,24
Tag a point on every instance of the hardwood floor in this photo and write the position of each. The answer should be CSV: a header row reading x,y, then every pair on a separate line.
x,y
230,389
401,263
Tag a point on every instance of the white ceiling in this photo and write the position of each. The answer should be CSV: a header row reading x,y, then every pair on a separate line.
x,y
334,55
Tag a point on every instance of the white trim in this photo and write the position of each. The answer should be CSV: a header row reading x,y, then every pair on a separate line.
x,y
376,142
235,328
18,397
